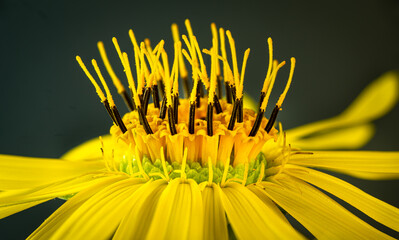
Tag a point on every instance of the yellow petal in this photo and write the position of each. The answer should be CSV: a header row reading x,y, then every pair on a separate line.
x,y
55,221
215,224
179,213
345,138
267,201
375,101
48,191
136,223
90,149
250,218
373,207
99,216
321,215
377,164
10,210
25,172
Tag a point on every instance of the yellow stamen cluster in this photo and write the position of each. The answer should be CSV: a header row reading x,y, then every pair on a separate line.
x,y
148,131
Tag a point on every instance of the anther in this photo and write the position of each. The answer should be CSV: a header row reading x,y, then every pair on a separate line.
x,y
233,115
272,119
218,107
171,121
118,119
240,111
209,120
155,96
175,99
144,120
162,112
191,118
146,98
258,121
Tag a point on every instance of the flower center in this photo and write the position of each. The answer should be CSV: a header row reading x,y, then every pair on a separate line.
x,y
187,137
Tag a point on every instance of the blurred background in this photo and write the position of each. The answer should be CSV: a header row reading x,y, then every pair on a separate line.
x,y
49,106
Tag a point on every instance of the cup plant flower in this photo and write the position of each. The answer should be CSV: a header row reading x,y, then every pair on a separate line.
x,y
195,159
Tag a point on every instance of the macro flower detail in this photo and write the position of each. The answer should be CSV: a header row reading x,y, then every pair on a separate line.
x,y
208,165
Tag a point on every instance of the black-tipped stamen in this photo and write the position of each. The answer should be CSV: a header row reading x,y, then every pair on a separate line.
x,y
146,99
272,119
118,119
191,118
233,92
261,98
186,87
144,121
240,111
172,126
209,119
233,115
228,92
128,100
155,96
175,100
219,86
162,112
161,87
141,99
106,105
258,121
218,107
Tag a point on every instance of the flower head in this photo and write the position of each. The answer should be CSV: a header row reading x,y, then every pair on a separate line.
x,y
204,166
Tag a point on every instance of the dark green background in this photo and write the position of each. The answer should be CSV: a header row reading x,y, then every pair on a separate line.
x,y
48,106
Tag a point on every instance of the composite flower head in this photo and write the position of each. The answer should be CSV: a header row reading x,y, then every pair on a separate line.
x,y
190,161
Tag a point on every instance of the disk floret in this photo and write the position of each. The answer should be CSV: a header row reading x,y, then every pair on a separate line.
x,y
205,136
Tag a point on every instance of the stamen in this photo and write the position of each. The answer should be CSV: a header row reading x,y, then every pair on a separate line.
x,y
191,118
209,119
117,83
277,108
146,99
204,75
258,121
175,99
233,115
172,126
168,94
216,46
116,117
269,68
128,71
276,68
272,119
98,89
282,96
162,112
155,95
240,88
182,66
234,57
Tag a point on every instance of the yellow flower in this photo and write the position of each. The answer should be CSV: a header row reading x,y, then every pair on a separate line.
x,y
204,166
